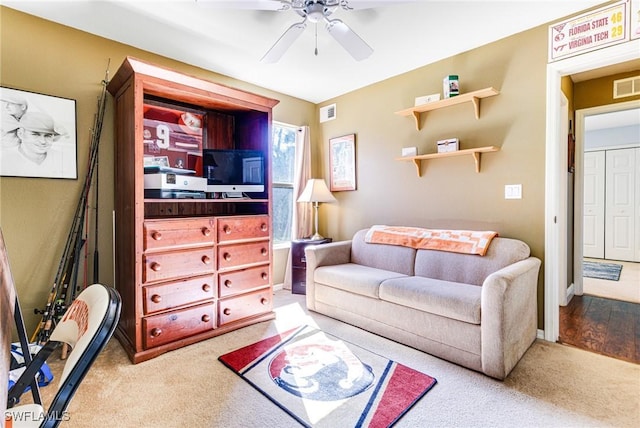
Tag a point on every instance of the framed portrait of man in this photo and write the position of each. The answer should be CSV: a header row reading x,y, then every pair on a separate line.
x,y
37,135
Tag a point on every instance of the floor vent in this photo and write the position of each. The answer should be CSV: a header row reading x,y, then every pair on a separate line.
x,y
327,113
626,87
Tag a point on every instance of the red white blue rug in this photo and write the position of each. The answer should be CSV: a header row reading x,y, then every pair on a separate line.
x,y
323,381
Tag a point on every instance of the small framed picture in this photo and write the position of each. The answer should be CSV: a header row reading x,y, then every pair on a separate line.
x,y
37,135
342,163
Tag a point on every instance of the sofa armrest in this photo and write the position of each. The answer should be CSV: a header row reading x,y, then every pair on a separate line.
x,y
333,253
509,316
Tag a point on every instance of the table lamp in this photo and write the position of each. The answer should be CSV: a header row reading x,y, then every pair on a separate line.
x,y
316,191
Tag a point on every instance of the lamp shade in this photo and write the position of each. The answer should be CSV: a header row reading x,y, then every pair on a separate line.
x,y
316,191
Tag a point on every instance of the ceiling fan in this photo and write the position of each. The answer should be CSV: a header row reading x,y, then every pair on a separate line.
x,y
312,11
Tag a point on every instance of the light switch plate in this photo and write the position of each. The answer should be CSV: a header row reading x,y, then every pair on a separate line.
x,y
513,191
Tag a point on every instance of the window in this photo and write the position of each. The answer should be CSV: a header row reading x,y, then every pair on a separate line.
x,y
283,165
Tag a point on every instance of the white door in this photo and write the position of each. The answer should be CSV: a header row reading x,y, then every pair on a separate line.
x,y
621,183
593,223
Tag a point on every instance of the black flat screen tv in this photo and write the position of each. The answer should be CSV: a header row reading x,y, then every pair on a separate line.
x,y
232,171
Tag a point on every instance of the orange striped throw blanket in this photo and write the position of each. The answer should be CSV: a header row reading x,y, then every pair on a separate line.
x,y
457,241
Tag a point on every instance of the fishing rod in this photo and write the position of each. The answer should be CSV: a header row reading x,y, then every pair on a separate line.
x,y
93,164
57,290
96,257
98,132
57,296
65,287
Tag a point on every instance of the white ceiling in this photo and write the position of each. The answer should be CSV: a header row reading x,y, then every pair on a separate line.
x,y
231,41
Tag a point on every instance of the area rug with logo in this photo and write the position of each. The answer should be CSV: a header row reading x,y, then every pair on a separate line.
x,y
324,381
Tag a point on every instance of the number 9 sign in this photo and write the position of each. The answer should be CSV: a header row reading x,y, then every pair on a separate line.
x,y
162,132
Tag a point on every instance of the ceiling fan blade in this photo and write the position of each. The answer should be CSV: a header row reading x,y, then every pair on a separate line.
x,y
349,40
370,4
247,4
284,42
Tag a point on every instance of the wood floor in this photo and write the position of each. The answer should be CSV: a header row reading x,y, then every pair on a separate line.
x,y
606,326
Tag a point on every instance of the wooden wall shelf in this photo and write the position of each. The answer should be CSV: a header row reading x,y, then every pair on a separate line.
x,y
472,97
475,153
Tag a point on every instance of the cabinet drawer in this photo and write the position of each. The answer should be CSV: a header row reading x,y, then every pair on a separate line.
x,y
230,256
178,233
162,266
298,274
246,305
169,295
164,328
239,228
240,281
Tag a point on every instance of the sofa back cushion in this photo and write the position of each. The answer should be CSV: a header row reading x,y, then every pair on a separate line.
x,y
381,256
470,268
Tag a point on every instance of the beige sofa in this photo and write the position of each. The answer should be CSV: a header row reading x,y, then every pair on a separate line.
x,y
476,311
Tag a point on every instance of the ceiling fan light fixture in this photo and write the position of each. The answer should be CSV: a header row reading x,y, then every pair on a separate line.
x,y
315,12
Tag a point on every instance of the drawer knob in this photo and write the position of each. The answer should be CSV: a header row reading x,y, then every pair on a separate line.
x,y
206,260
206,231
264,252
264,227
227,256
227,311
156,235
206,288
156,298
264,275
155,332
226,229
227,283
264,300
155,266
206,318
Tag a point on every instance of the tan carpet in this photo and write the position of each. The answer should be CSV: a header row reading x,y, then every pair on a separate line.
x,y
552,386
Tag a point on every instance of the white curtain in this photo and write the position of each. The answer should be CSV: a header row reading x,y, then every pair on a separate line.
x,y
301,222
302,213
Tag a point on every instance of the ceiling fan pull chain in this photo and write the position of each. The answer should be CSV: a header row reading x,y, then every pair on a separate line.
x,y
316,51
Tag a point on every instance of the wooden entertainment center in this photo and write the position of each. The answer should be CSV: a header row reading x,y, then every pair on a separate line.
x,y
187,268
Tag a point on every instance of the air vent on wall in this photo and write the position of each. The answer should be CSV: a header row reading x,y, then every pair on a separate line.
x,y
327,113
626,87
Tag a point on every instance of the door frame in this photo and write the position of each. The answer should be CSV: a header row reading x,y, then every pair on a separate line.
x,y
555,206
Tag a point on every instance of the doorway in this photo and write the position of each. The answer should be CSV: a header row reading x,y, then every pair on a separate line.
x,y
607,227
556,218
601,315
610,140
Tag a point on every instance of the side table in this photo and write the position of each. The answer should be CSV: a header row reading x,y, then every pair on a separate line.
x,y
299,263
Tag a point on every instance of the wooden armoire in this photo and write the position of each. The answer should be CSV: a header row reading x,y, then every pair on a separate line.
x,y
187,268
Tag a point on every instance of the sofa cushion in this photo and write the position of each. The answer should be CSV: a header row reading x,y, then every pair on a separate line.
x,y
386,257
354,278
469,268
448,299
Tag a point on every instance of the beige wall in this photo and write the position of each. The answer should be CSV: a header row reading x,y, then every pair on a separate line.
x,y
450,193
36,214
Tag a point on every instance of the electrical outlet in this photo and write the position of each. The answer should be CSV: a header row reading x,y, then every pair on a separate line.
x,y
513,191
